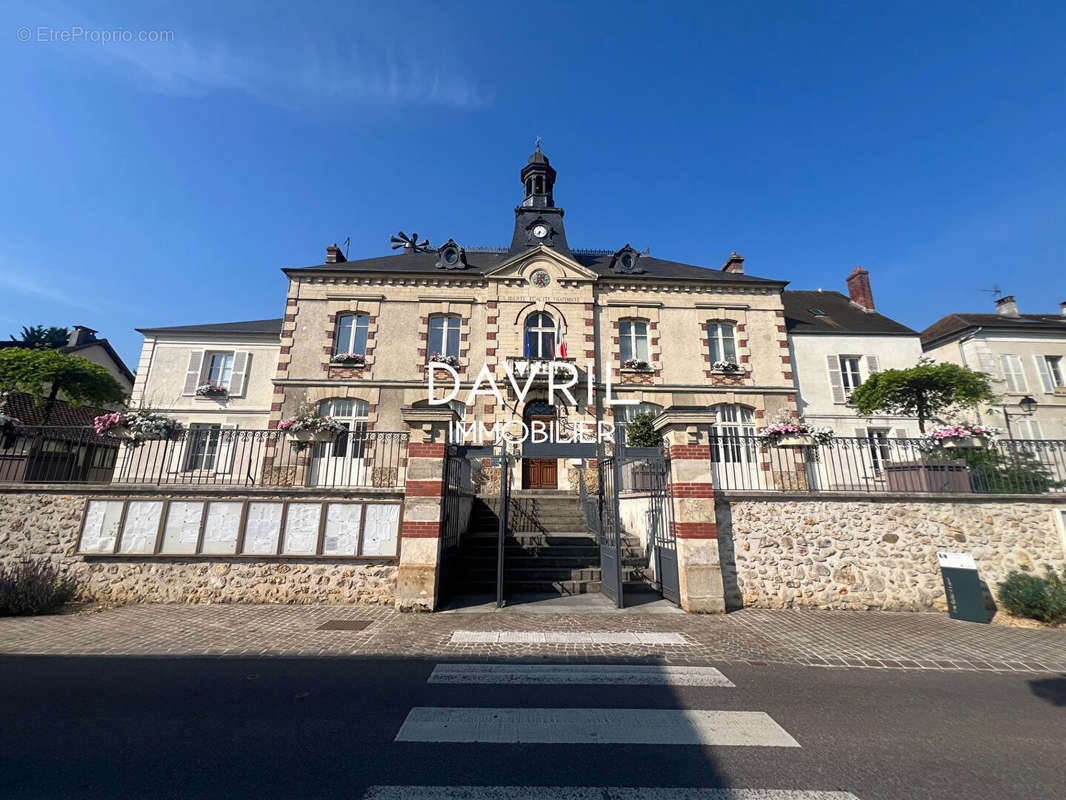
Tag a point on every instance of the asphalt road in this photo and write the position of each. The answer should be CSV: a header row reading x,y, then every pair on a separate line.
x,y
86,727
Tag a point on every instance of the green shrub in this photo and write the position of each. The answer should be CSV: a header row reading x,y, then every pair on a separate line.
x,y
34,587
641,433
1026,595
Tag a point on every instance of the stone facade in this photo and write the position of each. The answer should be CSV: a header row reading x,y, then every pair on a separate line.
x,y
45,525
863,552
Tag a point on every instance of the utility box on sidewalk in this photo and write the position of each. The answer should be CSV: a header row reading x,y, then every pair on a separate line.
x,y
966,599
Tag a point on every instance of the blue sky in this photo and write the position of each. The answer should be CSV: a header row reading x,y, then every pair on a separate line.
x,y
168,183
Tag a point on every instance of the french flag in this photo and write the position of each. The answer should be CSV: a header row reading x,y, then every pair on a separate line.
x,y
560,339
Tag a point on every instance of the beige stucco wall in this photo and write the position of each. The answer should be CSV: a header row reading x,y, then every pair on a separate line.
x,y
809,355
98,355
44,525
161,374
863,552
982,352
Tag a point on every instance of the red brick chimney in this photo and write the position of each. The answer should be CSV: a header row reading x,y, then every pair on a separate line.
x,y
334,255
734,263
859,288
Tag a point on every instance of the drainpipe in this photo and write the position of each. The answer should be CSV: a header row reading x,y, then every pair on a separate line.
x,y
965,363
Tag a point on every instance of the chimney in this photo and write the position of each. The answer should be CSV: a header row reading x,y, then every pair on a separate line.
x,y
734,263
1006,307
1062,308
859,288
334,255
80,335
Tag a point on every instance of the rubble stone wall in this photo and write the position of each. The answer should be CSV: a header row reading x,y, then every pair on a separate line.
x,y
45,525
863,552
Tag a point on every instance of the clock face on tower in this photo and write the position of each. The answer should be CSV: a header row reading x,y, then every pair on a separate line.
x,y
540,231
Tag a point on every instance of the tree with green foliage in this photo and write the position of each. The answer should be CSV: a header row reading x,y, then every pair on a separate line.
x,y
45,374
641,433
923,391
1011,471
45,337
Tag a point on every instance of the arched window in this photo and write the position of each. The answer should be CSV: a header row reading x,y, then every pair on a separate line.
x,y
733,435
633,339
721,339
540,335
351,334
444,335
352,413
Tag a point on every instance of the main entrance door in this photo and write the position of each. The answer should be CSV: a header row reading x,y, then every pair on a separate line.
x,y
540,473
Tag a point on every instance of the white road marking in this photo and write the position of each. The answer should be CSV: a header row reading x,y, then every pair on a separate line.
x,y
552,674
590,793
593,726
565,637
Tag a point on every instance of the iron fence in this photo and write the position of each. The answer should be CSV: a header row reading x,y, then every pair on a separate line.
x,y
56,454
206,457
739,462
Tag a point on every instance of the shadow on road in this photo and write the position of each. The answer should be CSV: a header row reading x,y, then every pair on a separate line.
x,y
1053,690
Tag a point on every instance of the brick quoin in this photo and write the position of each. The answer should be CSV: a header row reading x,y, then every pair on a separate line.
x,y
425,488
690,452
420,530
426,450
693,490
696,530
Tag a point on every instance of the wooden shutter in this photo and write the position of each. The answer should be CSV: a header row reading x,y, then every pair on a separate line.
x,y
238,381
1045,374
836,383
227,448
192,373
901,433
872,365
176,451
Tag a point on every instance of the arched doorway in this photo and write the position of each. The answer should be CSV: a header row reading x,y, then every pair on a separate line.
x,y
539,473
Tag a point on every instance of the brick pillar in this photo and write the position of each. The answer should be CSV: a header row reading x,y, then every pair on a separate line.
x,y
687,436
417,579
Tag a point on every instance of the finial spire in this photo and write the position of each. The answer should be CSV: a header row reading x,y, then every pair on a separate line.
x,y
538,144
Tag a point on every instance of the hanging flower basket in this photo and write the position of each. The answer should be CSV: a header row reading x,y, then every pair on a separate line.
x,y
794,434
962,436
308,428
135,427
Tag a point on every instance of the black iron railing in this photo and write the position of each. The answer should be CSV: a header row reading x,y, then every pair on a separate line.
x,y
56,454
206,457
874,464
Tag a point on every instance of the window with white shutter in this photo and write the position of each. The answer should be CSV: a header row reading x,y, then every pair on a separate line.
x,y
850,374
1013,373
1051,372
227,448
1026,429
836,384
238,382
192,374
872,365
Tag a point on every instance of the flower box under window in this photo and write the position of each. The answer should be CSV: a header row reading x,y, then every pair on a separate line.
x,y
726,367
211,390
440,358
636,365
348,360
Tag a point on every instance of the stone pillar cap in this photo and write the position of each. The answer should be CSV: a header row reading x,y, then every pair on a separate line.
x,y
684,415
420,416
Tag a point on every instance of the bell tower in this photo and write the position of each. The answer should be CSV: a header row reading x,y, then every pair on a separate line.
x,y
537,220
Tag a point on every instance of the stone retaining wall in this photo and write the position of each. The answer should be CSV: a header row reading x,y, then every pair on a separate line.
x,y
863,552
45,525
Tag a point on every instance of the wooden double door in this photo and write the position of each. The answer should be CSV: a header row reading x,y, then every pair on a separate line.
x,y
540,473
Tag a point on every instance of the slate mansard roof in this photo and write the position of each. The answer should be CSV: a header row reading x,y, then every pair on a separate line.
x,y
952,325
256,326
480,263
833,312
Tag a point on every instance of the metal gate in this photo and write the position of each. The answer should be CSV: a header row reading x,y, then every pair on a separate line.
x,y
609,532
662,535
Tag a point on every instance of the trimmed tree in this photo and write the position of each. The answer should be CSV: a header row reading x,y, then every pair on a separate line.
x,y
923,391
641,433
45,374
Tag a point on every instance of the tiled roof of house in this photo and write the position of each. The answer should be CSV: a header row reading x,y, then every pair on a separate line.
x,y
252,326
21,406
479,263
954,324
833,312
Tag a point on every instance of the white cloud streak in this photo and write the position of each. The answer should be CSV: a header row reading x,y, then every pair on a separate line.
x,y
22,284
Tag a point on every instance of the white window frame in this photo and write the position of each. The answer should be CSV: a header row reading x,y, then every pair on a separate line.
x,y
630,335
225,372
625,414
447,325
733,435
879,447
1054,368
719,334
847,375
208,433
360,321
540,333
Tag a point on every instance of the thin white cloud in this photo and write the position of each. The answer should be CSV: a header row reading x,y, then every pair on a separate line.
x,y
20,283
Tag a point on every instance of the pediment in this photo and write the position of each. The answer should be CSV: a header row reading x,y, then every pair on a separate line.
x,y
524,264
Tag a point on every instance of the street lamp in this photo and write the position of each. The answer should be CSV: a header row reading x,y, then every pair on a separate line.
x,y
1027,405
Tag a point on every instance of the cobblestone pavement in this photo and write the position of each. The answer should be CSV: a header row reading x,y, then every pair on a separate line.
x,y
881,640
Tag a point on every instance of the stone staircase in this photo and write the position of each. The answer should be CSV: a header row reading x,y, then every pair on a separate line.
x,y
548,549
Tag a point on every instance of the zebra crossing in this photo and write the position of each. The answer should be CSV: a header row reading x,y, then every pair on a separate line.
x,y
506,725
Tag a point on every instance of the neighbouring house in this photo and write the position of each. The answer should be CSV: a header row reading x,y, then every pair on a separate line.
x,y
1025,354
837,341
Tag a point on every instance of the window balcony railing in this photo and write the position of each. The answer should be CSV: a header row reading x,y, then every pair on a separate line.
x,y
521,366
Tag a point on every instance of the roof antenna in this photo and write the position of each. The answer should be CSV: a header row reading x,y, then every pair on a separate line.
x,y
347,246
995,291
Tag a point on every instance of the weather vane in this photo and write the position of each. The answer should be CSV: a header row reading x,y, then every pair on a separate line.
x,y
538,144
409,244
